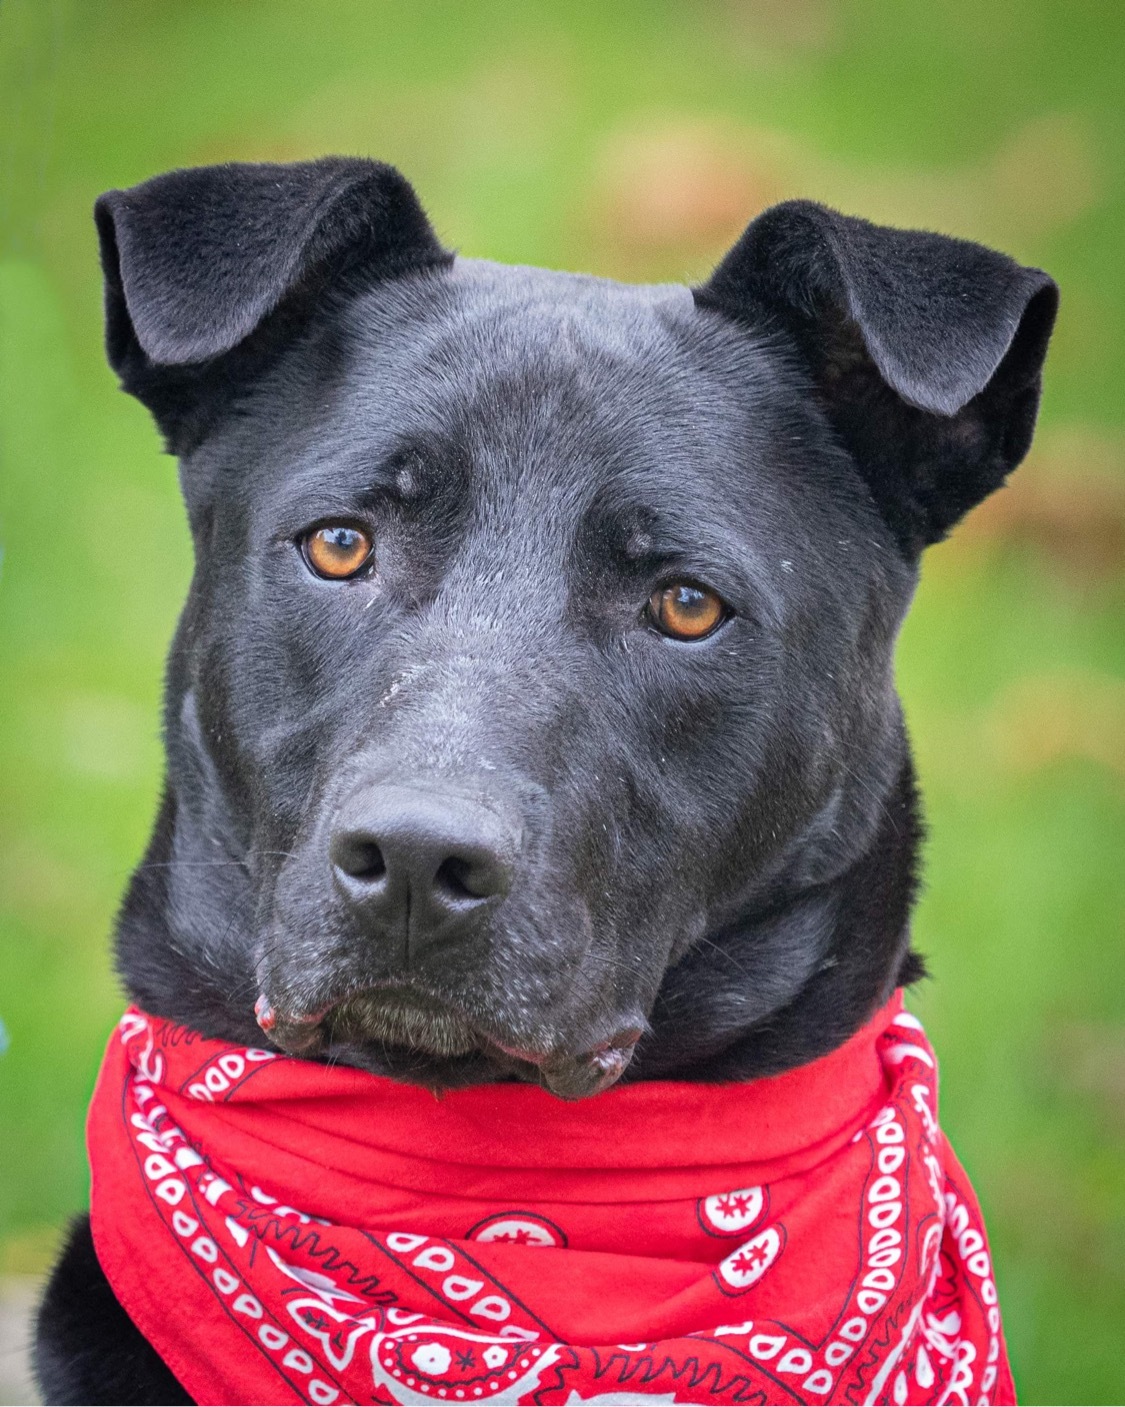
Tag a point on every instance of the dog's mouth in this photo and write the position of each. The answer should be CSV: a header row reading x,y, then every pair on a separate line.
x,y
394,1016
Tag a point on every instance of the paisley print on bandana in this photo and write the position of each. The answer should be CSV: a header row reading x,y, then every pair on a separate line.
x,y
286,1232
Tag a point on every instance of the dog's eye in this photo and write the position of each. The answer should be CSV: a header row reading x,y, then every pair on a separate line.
x,y
336,551
685,611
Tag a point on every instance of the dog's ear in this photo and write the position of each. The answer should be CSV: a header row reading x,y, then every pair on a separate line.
x,y
925,351
199,263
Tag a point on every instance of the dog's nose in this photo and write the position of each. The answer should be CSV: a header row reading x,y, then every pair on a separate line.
x,y
421,863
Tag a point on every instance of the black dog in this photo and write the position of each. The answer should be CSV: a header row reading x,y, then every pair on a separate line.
x,y
532,713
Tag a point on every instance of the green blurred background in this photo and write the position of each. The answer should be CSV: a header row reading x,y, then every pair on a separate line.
x,y
631,139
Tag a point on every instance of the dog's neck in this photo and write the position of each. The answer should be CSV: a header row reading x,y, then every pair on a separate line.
x,y
182,954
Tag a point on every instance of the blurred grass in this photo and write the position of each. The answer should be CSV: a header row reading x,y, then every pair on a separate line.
x,y
630,139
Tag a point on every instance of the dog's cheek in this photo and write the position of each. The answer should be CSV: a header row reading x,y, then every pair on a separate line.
x,y
641,871
697,757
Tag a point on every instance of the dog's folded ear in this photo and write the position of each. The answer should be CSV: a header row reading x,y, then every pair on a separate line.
x,y
926,352
197,261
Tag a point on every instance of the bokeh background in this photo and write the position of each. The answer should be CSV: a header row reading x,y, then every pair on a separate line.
x,y
629,139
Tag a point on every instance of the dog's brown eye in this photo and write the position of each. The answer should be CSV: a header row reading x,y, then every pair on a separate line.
x,y
336,551
684,611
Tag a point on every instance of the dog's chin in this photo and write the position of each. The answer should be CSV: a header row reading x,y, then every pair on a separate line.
x,y
409,1020
414,1036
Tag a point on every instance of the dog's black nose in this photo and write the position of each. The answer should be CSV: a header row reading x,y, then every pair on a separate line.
x,y
420,863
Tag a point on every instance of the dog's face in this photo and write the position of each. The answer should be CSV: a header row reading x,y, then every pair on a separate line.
x,y
541,635
516,613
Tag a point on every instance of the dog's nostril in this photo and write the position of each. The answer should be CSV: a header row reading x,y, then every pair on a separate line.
x,y
455,879
359,858
423,861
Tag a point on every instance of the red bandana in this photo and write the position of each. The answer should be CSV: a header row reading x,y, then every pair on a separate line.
x,y
287,1232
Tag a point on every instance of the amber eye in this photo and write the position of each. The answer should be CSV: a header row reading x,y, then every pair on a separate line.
x,y
685,612
336,551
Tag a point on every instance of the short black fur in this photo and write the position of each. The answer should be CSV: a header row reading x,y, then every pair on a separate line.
x,y
700,857
88,1349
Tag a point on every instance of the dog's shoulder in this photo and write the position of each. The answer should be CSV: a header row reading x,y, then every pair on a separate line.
x,y
87,1349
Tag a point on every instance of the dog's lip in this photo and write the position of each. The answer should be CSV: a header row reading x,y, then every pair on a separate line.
x,y
298,1030
296,1033
530,1057
567,1075
594,1070
270,1016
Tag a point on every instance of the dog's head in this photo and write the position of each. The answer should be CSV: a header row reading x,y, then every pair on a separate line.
x,y
534,693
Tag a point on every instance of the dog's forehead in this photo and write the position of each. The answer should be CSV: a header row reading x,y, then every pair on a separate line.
x,y
599,311
530,373
504,345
